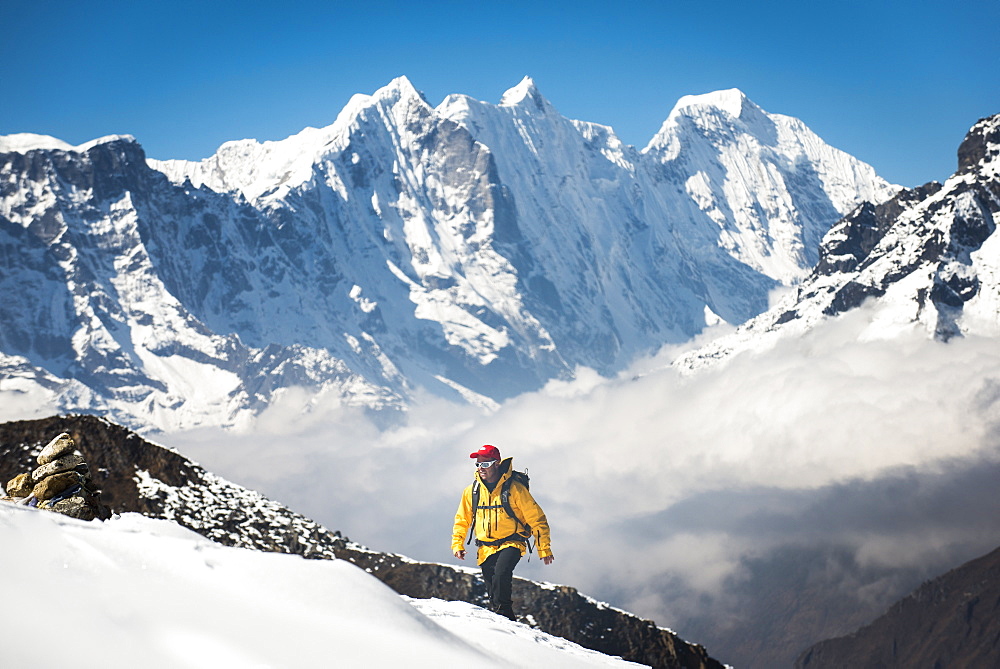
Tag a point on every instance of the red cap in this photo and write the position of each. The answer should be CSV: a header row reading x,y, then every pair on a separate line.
x,y
488,452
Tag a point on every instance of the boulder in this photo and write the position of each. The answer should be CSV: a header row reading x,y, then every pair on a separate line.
x,y
75,507
51,486
63,464
58,447
20,485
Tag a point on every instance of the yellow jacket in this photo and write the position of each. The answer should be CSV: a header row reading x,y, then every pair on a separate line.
x,y
492,521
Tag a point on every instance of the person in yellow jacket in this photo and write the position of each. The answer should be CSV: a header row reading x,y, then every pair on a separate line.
x,y
501,540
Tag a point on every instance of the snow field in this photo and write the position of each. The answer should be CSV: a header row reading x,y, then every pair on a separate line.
x,y
137,592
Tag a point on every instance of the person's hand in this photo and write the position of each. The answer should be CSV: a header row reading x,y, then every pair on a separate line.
x,y
460,555
548,559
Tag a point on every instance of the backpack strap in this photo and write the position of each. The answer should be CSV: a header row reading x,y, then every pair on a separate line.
x,y
475,509
505,501
517,536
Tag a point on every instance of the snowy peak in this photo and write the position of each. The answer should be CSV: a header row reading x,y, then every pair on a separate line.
x,y
26,141
722,114
514,95
525,93
754,175
254,168
731,101
399,89
269,170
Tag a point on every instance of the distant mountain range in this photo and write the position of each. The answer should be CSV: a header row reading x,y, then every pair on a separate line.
x,y
472,250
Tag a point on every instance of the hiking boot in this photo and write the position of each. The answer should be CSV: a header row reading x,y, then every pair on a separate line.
x,y
506,611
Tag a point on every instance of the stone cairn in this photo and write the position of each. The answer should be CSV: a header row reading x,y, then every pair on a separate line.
x,y
61,483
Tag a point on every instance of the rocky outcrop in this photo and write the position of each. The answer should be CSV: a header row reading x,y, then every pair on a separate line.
x,y
981,145
952,621
136,475
933,229
60,483
856,235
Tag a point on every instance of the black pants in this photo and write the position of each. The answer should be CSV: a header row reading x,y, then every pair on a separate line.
x,y
498,572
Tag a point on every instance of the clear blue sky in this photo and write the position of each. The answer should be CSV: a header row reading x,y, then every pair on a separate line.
x,y
896,84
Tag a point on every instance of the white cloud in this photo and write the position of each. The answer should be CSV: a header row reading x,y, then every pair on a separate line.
x,y
644,476
25,404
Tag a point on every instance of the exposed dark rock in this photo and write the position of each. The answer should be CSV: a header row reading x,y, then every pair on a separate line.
x,y
75,507
919,229
138,476
982,143
952,621
851,296
856,235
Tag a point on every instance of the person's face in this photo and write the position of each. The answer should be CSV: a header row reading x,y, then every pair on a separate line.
x,y
489,474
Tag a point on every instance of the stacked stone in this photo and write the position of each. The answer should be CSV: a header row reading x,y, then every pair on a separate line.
x,y
61,483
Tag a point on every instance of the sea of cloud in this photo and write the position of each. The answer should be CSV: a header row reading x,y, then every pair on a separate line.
x,y
681,498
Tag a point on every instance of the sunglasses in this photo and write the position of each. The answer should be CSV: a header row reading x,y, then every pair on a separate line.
x,y
486,465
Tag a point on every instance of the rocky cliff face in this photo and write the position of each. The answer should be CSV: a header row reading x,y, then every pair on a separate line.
x,y
950,621
101,261
136,475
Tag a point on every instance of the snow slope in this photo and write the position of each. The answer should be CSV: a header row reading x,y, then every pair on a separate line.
x,y
137,592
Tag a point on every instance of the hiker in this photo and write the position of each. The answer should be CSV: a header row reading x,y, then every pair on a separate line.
x,y
504,517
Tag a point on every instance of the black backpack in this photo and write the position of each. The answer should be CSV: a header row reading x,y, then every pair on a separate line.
x,y
519,477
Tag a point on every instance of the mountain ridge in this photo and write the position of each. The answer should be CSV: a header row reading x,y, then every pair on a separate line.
x,y
473,250
947,621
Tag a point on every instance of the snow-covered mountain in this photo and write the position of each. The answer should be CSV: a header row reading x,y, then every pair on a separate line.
x,y
471,249
927,259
